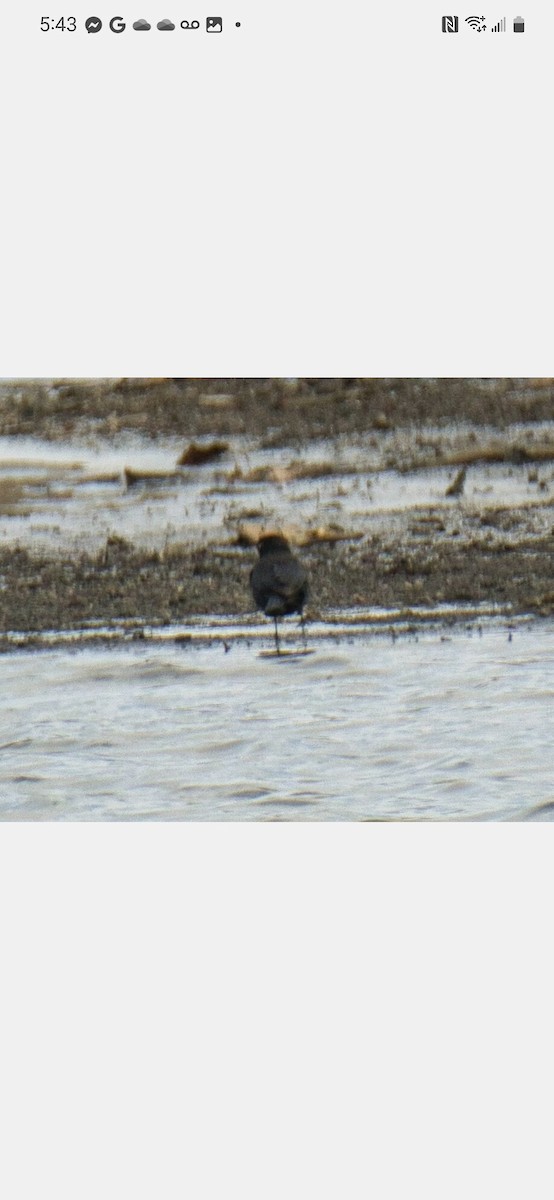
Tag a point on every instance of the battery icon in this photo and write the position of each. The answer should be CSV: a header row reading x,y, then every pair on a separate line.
x,y
519,25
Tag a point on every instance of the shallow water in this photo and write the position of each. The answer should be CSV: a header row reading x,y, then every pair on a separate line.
x,y
72,496
422,727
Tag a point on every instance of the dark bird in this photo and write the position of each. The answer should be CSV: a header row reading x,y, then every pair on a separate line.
x,y
279,582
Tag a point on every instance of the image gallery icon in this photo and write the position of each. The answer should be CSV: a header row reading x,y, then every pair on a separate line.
x,y
449,24
214,24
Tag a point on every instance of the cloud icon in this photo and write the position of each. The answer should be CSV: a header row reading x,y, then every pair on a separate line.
x,y
166,24
141,25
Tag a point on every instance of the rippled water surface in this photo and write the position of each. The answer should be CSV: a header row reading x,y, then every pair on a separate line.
x,y
364,728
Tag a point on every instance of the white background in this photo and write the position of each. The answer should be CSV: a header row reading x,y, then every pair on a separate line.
x,y
276,1011
331,189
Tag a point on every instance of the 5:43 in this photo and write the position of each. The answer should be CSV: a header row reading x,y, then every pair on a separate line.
x,y
47,23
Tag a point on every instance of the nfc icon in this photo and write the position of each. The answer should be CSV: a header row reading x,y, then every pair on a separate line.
x,y
449,24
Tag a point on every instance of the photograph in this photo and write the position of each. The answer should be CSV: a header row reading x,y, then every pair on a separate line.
x,y
277,599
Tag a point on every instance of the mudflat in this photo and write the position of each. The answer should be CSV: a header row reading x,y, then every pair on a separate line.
x,y
398,493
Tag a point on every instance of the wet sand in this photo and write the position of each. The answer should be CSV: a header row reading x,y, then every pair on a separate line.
x,y
123,583
466,549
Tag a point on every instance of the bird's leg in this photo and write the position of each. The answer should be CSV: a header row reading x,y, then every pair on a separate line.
x,y
276,636
303,631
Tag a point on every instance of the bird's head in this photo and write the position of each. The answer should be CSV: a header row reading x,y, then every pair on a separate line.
x,y
272,543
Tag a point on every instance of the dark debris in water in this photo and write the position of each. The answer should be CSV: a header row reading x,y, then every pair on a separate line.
x,y
196,455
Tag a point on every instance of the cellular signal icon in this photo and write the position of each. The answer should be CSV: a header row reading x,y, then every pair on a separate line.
x,y
500,26
476,23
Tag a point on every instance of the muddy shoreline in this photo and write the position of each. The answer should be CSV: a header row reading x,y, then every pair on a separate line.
x,y
123,583
427,555
278,412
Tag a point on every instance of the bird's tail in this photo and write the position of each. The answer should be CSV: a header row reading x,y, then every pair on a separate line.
x,y
274,606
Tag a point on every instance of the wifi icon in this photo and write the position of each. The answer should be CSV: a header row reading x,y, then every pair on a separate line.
x,y
476,23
